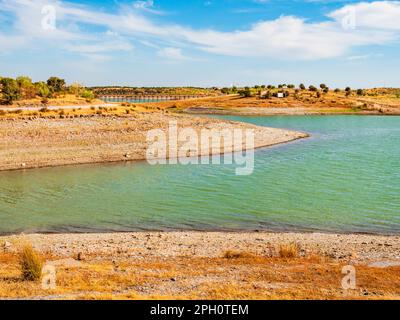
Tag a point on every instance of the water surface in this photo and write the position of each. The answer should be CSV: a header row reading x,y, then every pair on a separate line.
x,y
345,178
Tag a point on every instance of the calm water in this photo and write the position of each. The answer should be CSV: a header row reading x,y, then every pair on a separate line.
x,y
346,178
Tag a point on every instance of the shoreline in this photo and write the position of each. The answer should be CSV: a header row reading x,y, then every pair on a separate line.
x,y
41,143
360,248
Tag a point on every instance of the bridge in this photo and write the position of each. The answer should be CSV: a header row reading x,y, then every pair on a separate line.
x,y
146,98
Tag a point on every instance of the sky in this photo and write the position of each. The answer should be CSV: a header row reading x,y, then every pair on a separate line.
x,y
202,42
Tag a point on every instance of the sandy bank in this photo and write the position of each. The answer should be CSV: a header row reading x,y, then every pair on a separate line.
x,y
53,142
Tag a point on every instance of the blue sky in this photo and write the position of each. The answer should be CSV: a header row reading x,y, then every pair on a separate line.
x,y
202,42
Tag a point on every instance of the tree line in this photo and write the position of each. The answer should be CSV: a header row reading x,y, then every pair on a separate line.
x,y
271,90
23,88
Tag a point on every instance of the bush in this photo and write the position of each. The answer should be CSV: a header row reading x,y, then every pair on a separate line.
x,y
31,264
290,250
246,92
10,89
360,92
88,95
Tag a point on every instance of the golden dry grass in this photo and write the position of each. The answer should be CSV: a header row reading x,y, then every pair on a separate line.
x,y
289,250
237,276
31,263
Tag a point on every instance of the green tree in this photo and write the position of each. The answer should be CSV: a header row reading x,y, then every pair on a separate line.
x,y
322,86
246,92
302,86
10,89
56,85
312,88
360,92
43,91
27,89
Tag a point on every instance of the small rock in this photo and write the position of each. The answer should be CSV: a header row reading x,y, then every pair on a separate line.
x,y
23,165
81,256
7,246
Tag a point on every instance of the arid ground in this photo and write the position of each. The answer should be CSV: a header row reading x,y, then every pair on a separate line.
x,y
196,265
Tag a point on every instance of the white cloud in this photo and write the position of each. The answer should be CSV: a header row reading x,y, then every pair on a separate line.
x,y
286,37
171,53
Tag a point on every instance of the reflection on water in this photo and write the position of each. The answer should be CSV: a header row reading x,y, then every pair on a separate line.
x,y
345,178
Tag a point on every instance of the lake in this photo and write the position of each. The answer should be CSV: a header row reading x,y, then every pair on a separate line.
x,y
345,178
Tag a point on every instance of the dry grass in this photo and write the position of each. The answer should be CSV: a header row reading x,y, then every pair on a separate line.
x,y
232,276
289,250
230,254
31,264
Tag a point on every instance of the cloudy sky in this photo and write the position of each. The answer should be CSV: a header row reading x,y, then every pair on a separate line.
x,y
202,42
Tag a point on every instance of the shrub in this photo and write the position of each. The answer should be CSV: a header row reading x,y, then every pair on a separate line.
x,y
360,92
10,89
246,92
31,264
88,95
302,86
290,250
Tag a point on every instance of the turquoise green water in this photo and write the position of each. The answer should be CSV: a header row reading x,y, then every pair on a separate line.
x,y
346,178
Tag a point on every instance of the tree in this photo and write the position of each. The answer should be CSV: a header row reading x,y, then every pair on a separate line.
x,y
326,90
360,92
312,88
348,89
291,86
225,90
337,90
76,88
322,86
27,89
302,86
10,89
43,91
246,92
56,85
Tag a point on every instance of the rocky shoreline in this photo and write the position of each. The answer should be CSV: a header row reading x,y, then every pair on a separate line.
x,y
358,248
44,142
